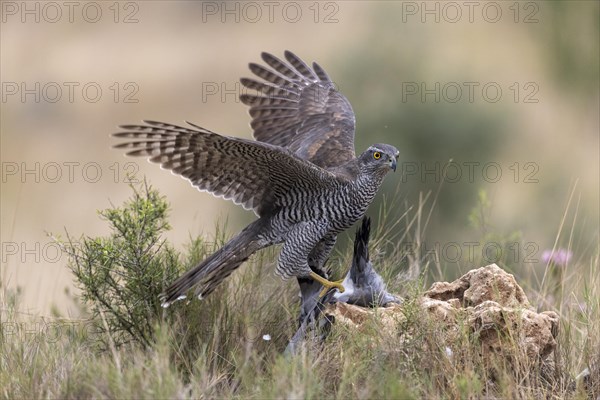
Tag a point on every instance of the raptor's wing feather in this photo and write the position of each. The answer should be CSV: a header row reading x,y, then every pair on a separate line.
x,y
253,174
299,108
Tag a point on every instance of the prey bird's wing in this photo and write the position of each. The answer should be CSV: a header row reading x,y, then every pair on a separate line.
x,y
364,286
361,264
299,108
252,174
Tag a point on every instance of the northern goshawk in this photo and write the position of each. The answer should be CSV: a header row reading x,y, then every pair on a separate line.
x,y
300,177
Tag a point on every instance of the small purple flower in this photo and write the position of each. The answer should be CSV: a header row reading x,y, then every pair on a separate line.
x,y
560,257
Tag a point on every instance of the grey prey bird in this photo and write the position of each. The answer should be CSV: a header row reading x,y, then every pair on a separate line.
x,y
363,285
300,177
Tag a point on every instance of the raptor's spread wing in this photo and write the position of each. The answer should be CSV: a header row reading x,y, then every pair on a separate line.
x,y
253,174
299,108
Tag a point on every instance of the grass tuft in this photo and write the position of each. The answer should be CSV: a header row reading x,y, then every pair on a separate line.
x,y
129,347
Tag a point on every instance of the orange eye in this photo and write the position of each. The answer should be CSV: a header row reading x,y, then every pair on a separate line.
x,y
377,155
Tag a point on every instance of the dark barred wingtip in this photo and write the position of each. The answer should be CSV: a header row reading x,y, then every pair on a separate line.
x,y
321,73
265,55
247,81
125,134
154,123
248,99
289,54
122,145
254,67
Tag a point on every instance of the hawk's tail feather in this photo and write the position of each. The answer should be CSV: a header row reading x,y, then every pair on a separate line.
x,y
207,275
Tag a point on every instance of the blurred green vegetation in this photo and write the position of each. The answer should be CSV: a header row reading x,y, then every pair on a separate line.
x,y
571,48
429,134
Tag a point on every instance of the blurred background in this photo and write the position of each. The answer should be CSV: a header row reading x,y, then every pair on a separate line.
x,y
506,91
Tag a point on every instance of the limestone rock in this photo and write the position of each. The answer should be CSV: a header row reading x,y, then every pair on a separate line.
x,y
479,285
487,304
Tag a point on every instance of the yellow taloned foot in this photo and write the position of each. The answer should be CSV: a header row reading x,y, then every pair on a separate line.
x,y
327,284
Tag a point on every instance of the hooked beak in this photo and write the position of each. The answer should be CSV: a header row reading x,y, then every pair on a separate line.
x,y
393,164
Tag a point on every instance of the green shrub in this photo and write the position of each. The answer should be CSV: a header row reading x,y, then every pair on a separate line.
x,y
121,275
